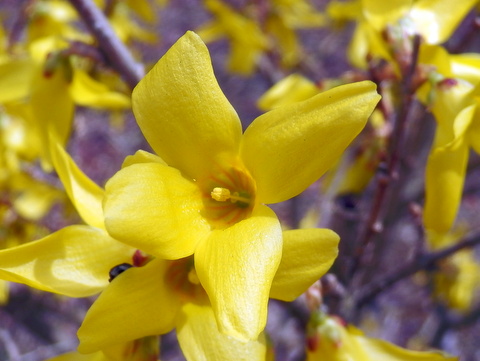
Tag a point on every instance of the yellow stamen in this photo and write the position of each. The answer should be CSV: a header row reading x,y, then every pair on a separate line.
x,y
222,194
192,277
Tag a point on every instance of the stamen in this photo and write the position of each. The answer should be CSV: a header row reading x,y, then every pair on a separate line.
x,y
192,277
223,194
220,194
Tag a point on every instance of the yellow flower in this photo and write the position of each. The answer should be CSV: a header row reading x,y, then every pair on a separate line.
x,y
434,20
43,89
458,276
453,100
205,194
164,294
125,25
261,28
74,261
333,341
247,41
282,19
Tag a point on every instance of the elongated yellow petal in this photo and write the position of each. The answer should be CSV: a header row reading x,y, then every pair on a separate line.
x,y
201,340
87,91
74,261
150,206
136,304
52,108
445,175
182,111
290,147
236,267
307,255
351,344
85,195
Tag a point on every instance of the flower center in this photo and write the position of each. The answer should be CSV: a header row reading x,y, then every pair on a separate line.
x,y
229,196
183,280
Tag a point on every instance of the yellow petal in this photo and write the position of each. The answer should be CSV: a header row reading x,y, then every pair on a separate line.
x,y
243,58
150,206
89,92
353,345
182,111
290,147
436,20
85,195
445,175
465,66
74,261
200,339
292,89
142,156
377,349
15,79
307,256
236,267
136,304
52,108
381,13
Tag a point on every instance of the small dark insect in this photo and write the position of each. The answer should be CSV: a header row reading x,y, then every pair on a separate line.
x,y
115,271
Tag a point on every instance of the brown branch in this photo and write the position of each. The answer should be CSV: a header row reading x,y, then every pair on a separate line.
x,y
423,262
388,170
114,50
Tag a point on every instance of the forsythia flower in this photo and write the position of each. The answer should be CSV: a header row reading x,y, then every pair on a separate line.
x,y
434,20
246,38
458,276
282,19
206,194
74,261
453,100
333,341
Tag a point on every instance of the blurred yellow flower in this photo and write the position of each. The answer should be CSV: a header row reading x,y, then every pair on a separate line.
x,y
434,20
452,96
247,41
331,340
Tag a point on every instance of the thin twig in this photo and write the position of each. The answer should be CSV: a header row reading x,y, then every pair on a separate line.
x,y
388,170
115,51
423,262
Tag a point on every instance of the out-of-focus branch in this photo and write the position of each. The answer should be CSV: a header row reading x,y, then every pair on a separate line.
x,y
114,50
423,262
388,170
